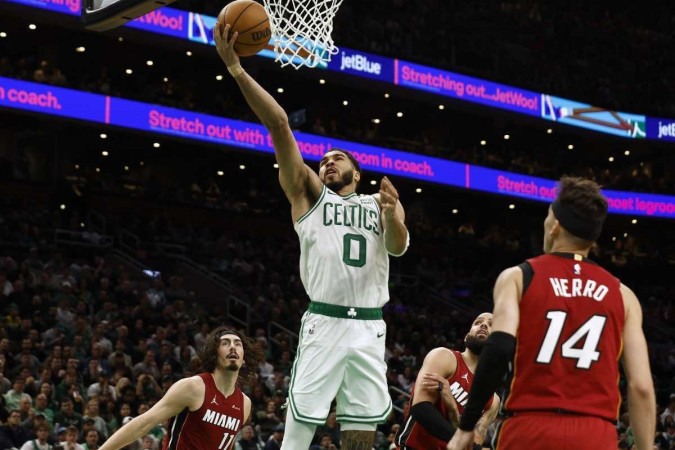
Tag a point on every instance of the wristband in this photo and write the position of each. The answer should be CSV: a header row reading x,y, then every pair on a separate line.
x,y
235,70
432,421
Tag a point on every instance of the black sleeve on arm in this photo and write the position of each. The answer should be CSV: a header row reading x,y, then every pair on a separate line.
x,y
492,365
432,420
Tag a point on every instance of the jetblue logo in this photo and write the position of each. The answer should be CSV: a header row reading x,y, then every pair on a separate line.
x,y
360,63
666,130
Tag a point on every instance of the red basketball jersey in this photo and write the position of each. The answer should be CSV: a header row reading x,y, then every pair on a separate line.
x,y
213,426
413,436
569,338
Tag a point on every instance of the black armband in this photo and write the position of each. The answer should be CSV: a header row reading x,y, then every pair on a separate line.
x,y
492,365
432,420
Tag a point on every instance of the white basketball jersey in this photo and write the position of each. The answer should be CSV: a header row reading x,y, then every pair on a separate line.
x,y
343,259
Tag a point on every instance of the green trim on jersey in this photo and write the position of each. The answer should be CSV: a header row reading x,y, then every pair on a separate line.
x,y
348,196
294,409
345,312
304,216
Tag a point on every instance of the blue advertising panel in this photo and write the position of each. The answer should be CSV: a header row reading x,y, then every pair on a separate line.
x,y
52,100
661,129
96,108
169,21
591,117
354,62
197,27
540,189
205,127
475,90
72,7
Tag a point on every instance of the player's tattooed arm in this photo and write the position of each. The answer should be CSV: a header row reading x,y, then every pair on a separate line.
x,y
484,422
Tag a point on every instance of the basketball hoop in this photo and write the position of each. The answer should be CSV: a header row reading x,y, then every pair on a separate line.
x,y
301,31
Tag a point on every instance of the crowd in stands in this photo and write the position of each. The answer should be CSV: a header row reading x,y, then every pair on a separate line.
x,y
95,337
610,55
449,134
86,343
422,130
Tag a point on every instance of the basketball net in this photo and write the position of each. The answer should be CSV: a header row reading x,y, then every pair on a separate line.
x,y
301,31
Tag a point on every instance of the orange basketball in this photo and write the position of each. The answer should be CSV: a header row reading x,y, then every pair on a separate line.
x,y
250,20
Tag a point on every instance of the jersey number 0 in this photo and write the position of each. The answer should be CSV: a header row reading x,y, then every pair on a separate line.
x,y
354,250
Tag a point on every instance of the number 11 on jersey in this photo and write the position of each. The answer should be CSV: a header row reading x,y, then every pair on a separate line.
x,y
226,442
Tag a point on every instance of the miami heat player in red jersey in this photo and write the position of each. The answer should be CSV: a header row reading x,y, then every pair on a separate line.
x,y
441,391
209,409
213,426
568,322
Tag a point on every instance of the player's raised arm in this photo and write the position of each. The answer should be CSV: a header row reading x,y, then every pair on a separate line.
x,y
297,180
438,365
635,360
396,238
180,396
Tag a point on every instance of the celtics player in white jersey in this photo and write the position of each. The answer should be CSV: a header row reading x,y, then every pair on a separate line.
x,y
345,241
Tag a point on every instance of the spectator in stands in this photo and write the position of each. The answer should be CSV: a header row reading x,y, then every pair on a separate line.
x,y
200,338
67,416
40,443
91,440
5,384
48,73
147,387
268,419
149,442
92,413
42,407
325,443
70,442
102,385
274,441
248,440
12,435
25,408
669,411
16,394
147,366
331,428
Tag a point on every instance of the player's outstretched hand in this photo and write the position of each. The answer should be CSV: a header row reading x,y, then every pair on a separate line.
x,y
388,199
224,47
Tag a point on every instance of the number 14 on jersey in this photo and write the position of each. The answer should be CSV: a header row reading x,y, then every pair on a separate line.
x,y
585,356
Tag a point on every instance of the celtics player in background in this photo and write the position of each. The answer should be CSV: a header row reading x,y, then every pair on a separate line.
x,y
345,242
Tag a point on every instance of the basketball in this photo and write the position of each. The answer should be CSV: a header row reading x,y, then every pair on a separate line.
x,y
250,20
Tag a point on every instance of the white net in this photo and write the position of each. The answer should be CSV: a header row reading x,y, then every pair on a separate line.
x,y
301,31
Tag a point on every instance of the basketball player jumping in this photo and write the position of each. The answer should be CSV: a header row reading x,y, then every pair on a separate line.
x,y
207,410
441,391
345,242
568,321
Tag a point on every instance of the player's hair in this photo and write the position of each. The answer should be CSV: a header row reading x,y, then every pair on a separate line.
x,y
585,200
350,157
253,354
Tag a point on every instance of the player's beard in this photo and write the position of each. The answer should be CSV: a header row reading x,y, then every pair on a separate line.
x,y
345,180
475,344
